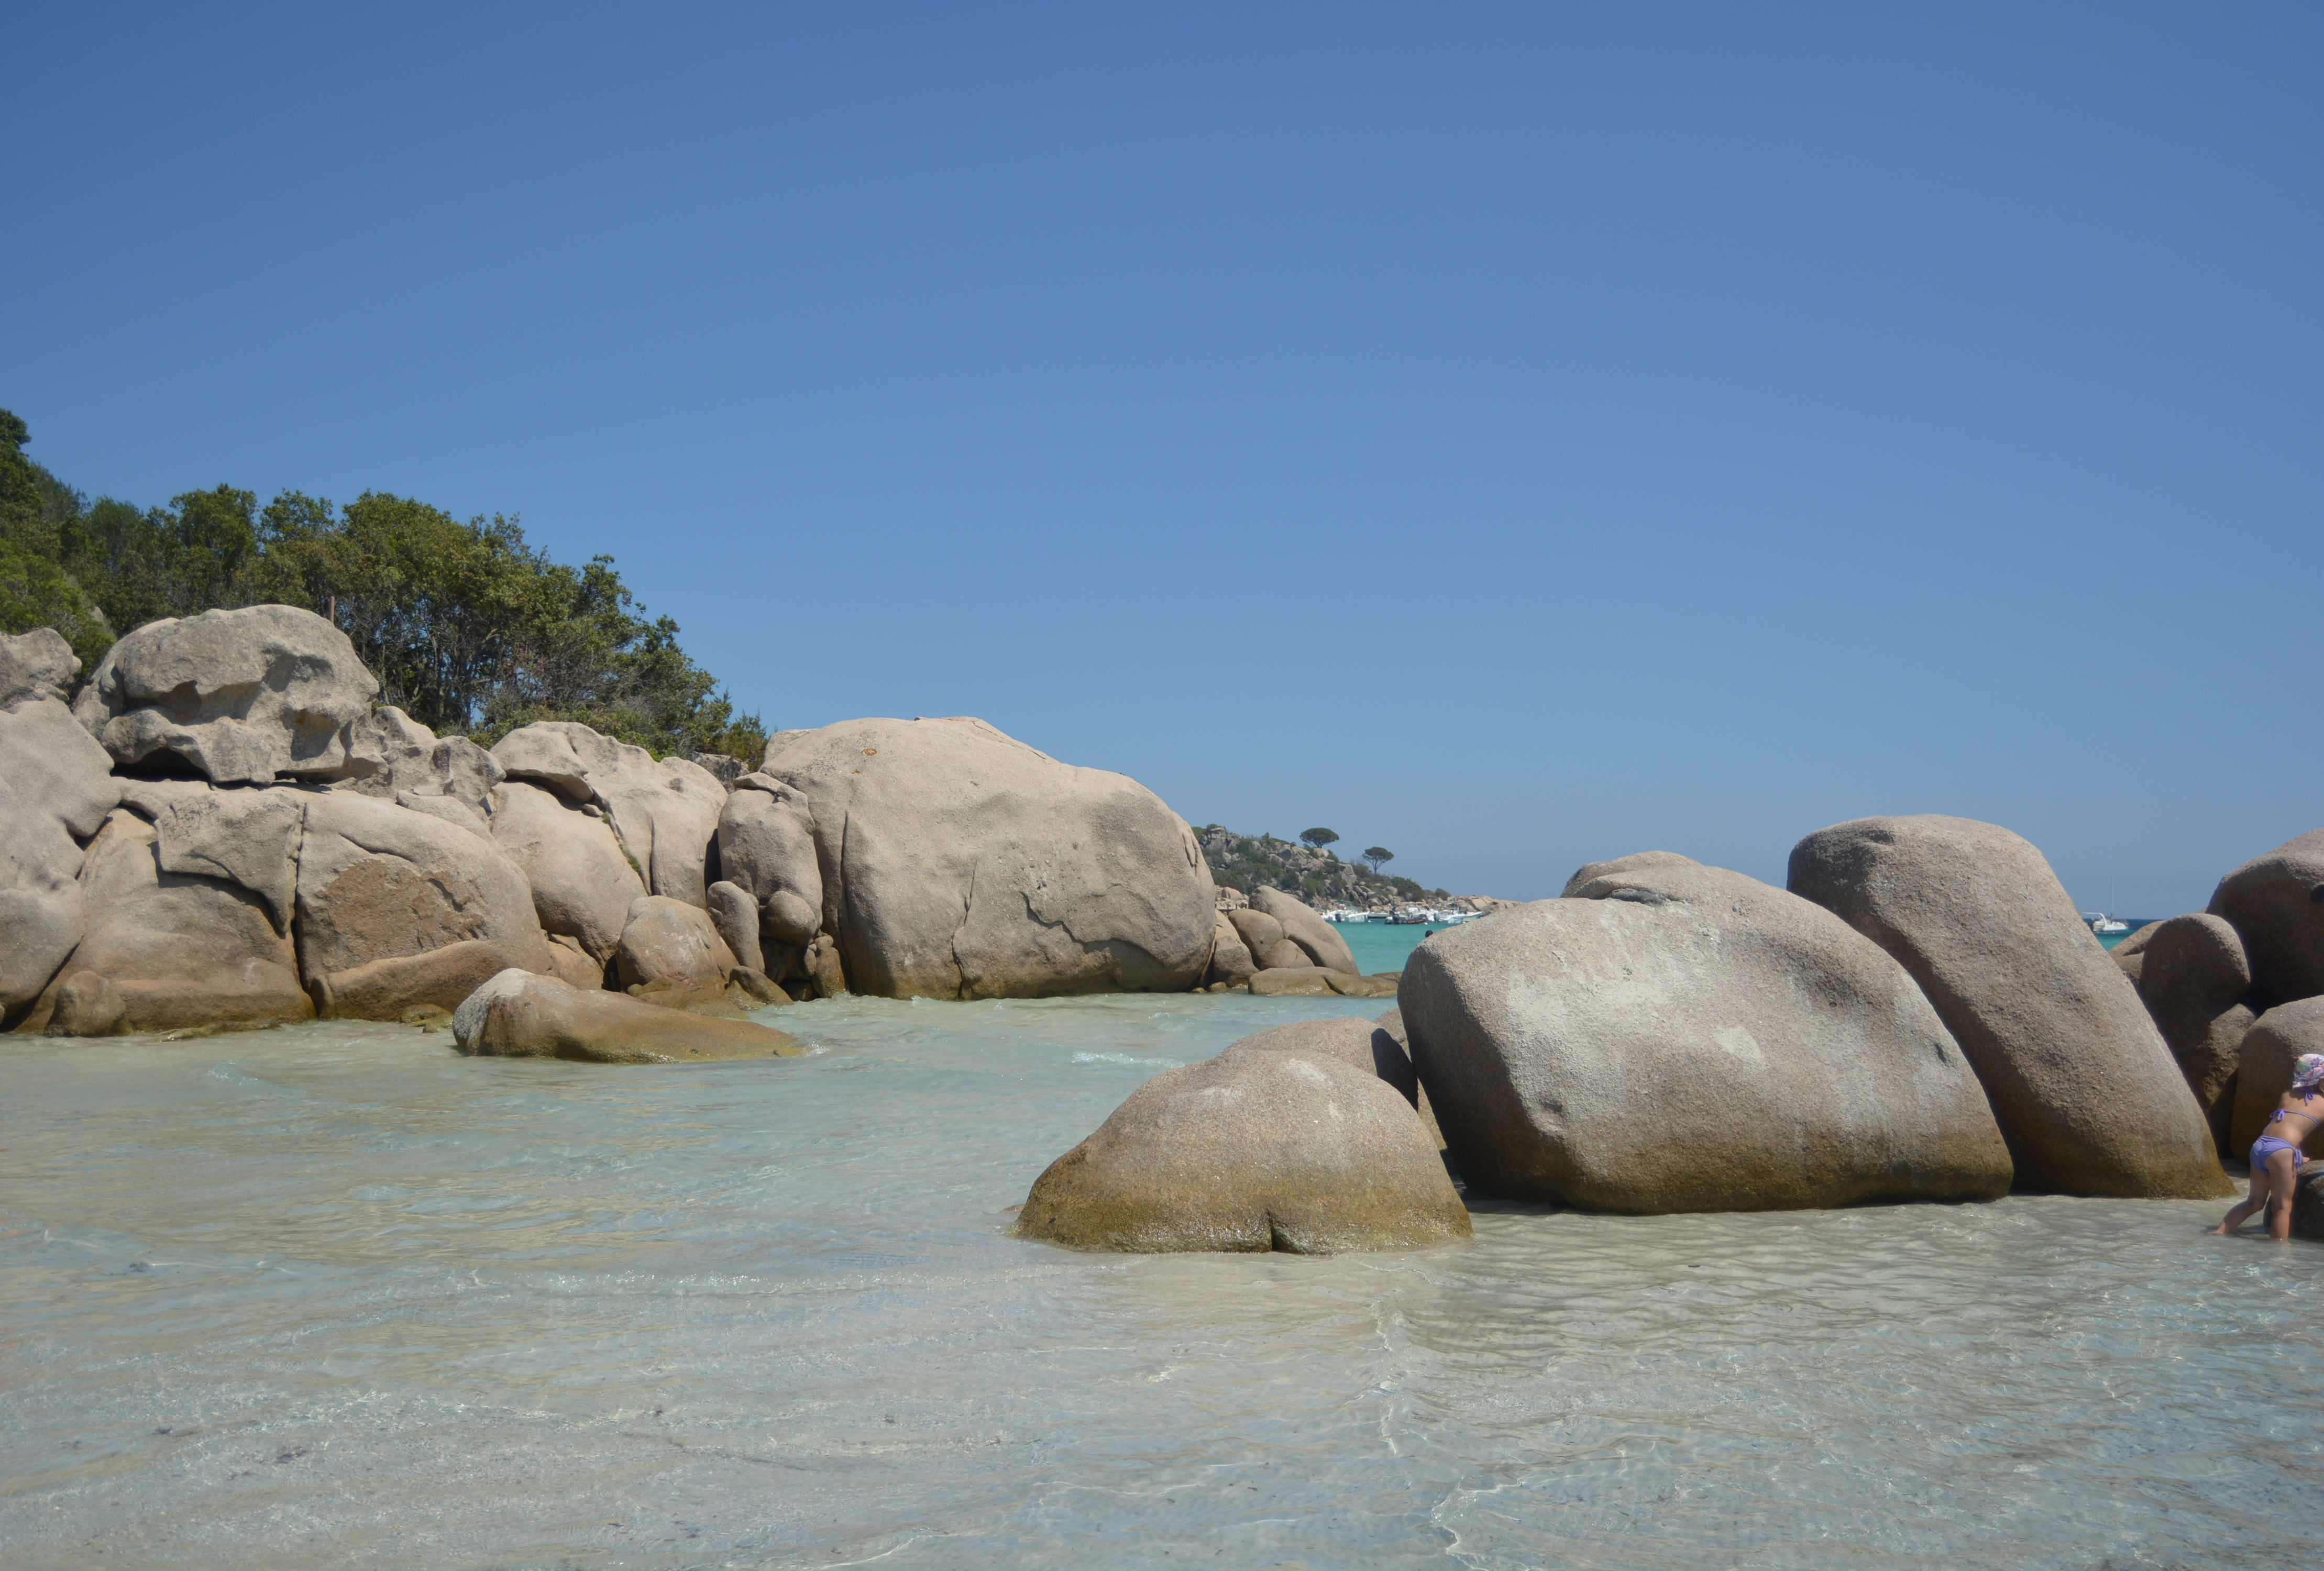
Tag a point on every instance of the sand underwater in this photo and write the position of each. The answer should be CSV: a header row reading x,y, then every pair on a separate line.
x,y
333,1294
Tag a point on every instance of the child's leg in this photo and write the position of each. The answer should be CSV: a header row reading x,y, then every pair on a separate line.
x,y
2246,1208
2282,1177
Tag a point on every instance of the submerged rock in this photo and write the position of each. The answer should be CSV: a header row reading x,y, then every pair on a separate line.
x,y
1595,1050
253,695
1252,1150
956,862
519,1015
2087,1096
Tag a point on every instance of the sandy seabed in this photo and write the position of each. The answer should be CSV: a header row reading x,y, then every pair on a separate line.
x,y
333,1294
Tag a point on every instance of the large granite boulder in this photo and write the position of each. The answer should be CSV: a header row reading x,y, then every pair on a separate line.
x,y
959,863
518,1014
261,693
1302,926
2086,1094
766,848
174,937
397,909
2276,903
670,942
1251,1151
1684,1038
665,812
583,882
2274,1044
36,665
55,787
2193,976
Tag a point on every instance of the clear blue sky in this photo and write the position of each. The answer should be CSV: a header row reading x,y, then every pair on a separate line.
x,y
1516,435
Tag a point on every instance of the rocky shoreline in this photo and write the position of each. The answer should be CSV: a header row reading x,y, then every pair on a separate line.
x,y
221,829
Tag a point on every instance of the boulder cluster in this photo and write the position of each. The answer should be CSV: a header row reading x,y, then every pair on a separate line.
x,y
1920,1015
1273,943
2238,989
222,827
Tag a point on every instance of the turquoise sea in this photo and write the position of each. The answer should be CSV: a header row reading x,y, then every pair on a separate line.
x,y
1379,946
334,1295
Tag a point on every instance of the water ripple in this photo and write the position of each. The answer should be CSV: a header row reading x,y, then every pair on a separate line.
x,y
333,1294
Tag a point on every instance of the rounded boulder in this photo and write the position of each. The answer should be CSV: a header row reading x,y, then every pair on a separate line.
x,y
959,863
1603,1049
1252,1150
2086,1094
2276,904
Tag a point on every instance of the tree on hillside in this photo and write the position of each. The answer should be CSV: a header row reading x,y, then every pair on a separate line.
x,y
468,627
1376,855
1317,839
36,589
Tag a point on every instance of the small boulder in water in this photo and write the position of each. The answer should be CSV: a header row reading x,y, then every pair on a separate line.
x,y
1252,1150
523,1015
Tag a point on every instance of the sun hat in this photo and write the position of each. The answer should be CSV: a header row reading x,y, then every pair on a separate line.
x,y
2307,1071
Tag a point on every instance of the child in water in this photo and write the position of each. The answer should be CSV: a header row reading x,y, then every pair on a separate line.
x,y
2276,1157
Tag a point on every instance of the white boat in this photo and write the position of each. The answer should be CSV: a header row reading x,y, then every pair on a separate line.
x,y
2100,922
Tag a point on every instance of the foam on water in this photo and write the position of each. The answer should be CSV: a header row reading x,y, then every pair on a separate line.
x,y
335,1294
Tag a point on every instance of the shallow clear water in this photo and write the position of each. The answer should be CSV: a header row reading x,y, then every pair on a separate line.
x,y
336,1295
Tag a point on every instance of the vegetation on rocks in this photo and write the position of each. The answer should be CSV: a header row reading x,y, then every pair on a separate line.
x,y
467,626
1313,873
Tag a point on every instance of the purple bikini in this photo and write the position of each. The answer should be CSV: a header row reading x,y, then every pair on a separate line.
x,y
2267,1145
